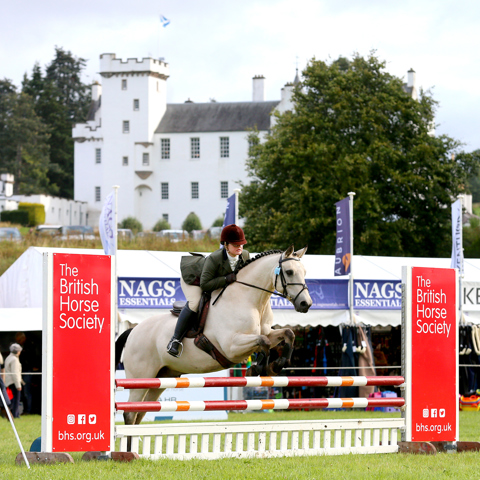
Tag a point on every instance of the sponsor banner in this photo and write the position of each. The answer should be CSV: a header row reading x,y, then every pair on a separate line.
x,y
82,388
434,389
164,292
342,245
377,294
471,296
457,247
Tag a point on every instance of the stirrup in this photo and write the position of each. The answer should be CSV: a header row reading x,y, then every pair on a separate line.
x,y
170,346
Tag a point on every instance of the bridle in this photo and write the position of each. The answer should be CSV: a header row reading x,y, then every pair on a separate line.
x,y
278,274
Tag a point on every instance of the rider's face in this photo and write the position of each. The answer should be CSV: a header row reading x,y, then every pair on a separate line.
x,y
234,249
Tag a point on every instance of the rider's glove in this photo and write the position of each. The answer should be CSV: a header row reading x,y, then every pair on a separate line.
x,y
230,278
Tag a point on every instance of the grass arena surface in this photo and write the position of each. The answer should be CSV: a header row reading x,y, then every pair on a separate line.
x,y
386,466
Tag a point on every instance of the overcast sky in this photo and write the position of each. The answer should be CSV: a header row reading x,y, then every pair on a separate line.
x,y
215,47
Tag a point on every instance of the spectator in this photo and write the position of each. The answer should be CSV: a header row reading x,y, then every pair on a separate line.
x,y
13,377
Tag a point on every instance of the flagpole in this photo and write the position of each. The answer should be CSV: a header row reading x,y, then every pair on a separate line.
x,y
350,280
236,192
460,277
115,239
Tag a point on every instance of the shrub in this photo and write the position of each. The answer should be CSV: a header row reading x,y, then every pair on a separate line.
x,y
162,224
192,222
218,222
36,212
15,216
132,223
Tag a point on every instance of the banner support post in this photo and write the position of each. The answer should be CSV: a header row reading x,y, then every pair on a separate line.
x,y
350,283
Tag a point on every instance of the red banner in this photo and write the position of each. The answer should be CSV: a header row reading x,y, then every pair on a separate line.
x,y
82,391
434,351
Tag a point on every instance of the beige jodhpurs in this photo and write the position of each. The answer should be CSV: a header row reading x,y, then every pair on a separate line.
x,y
193,294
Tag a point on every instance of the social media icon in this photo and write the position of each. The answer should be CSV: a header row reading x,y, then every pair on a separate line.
x,y
82,419
434,413
441,413
92,419
425,413
71,419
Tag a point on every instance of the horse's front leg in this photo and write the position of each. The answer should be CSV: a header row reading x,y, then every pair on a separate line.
x,y
244,344
275,337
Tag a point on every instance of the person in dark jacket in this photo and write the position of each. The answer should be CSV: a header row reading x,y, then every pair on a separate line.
x,y
219,269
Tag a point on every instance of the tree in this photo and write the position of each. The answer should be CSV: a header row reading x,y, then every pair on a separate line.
x,y
24,149
192,222
162,224
61,100
132,223
354,128
218,222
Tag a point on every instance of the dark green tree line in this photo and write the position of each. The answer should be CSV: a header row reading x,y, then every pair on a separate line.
x,y
354,128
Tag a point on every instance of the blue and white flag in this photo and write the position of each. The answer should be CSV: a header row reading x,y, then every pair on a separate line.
x,y
106,225
457,247
230,211
164,21
342,245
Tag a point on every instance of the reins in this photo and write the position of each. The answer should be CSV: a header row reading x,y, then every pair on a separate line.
x,y
285,284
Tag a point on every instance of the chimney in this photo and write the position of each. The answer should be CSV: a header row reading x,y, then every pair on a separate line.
x,y
411,78
96,91
258,88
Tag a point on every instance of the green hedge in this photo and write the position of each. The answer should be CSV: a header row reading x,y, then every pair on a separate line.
x,y
15,216
36,213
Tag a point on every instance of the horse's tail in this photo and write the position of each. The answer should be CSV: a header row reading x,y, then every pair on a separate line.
x,y
120,344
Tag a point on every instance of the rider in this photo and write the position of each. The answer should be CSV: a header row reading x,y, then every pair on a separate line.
x,y
220,269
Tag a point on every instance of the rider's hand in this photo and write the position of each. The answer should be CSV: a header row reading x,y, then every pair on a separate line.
x,y
230,278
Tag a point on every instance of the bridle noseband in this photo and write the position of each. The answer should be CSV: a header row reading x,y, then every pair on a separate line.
x,y
285,284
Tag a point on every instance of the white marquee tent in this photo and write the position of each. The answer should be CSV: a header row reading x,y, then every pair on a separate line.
x,y
21,286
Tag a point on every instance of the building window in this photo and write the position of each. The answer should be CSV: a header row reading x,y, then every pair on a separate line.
x,y
126,126
124,84
195,147
98,195
164,190
195,190
59,212
223,189
145,159
224,147
136,104
165,216
125,161
98,155
165,148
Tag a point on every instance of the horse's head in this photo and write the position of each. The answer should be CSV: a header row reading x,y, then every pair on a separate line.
x,y
290,279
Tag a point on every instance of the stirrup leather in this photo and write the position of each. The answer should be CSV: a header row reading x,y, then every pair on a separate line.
x,y
171,344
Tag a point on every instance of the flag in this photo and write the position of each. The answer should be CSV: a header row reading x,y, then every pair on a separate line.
x,y
342,245
106,225
164,21
457,247
230,211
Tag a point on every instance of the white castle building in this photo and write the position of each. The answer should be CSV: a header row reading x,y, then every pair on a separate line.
x,y
168,159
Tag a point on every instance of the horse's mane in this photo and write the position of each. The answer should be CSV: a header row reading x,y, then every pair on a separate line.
x,y
260,255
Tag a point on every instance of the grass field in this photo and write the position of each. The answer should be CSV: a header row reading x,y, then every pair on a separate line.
x,y
387,466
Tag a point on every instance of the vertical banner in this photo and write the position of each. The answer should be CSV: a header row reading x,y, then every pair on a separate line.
x,y
230,211
77,406
342,245
457,242
107,225
431,354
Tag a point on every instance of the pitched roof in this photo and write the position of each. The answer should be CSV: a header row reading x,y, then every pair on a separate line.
x,y
216,117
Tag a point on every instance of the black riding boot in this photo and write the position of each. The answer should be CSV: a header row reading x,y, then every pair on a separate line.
x,y
183,324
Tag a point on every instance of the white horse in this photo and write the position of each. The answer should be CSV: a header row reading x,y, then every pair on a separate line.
x,y
238,324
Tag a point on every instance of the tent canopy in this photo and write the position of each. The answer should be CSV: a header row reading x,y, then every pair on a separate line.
x,y
21,286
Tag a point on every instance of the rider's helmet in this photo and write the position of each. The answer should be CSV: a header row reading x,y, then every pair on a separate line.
x,y
232,234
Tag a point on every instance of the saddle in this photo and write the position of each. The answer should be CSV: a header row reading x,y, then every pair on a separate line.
x,y
196,331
